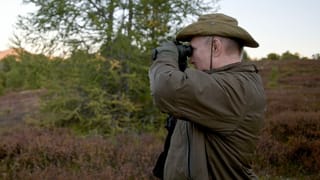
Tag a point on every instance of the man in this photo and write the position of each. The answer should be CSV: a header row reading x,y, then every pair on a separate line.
x,y
219,104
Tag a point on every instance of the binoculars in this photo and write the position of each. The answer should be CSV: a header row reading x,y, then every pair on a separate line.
x,y
184,52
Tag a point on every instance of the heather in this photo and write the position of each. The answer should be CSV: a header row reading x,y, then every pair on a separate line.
x,y
84,118
88,113
290,141
38,153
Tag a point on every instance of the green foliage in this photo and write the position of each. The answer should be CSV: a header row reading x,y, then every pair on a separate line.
x,y
274,77
89,97
87,24
273,56
245,56
289,56
2,82
27,73
107,92
87,92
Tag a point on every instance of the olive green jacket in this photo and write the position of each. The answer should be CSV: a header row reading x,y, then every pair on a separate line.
x,y
220,115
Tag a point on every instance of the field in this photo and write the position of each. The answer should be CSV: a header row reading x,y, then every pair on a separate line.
x,y
290,142
289,146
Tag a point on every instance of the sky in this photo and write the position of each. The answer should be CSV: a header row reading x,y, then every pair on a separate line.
x,y
278,25
9,11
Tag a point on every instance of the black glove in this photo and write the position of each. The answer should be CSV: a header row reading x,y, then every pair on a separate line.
x,y
166,49
174,50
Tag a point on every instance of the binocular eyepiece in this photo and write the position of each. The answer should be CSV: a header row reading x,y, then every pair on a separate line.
x,y
184,51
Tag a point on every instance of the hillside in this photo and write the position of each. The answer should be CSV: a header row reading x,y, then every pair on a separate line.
x,y
6,53
16,106
288,147
290,141
286,83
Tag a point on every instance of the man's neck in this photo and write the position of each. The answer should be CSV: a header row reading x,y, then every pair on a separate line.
x,y
225,60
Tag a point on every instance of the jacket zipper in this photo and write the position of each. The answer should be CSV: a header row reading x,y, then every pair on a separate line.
x,y
188,141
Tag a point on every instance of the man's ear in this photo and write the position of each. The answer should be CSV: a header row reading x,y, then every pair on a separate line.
x,y
216,47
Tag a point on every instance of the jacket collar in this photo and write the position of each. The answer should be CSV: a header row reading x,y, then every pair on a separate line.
x,y
235,67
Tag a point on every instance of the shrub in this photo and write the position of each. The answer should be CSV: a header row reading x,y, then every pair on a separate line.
x,y
290,141
86,92
34,153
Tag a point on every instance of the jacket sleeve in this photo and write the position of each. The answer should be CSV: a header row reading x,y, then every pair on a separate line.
x,y
194,95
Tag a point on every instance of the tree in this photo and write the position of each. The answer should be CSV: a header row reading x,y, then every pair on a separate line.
x,y
289,56
245,56
273,56
121,33
89,24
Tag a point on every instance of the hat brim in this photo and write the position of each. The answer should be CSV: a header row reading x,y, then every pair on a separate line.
x,y
206,28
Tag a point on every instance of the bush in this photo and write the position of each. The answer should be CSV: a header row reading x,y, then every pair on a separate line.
x,y
33,153
86,92
290,141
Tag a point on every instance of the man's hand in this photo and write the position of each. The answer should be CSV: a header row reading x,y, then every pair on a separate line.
x,y
173,51
166,50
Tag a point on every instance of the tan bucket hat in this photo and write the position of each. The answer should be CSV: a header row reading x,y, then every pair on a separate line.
x,y
217,24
